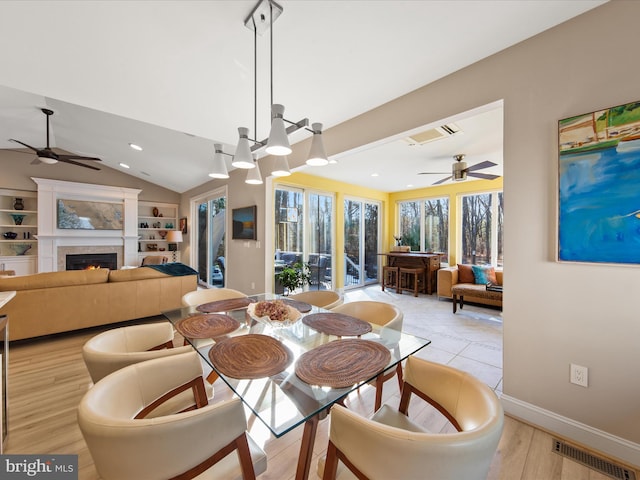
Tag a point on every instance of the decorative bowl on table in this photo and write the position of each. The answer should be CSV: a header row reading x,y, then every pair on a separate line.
x,y
274,313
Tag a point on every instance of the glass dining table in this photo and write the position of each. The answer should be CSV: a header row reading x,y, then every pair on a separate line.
x,y
291,373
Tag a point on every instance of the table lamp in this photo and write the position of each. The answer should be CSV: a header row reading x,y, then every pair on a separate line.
x,y
174,236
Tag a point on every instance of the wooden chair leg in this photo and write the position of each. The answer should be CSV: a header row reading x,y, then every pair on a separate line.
x,y
331,463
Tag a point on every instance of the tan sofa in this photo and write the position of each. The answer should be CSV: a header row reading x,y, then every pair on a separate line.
x,y
448,277
54,302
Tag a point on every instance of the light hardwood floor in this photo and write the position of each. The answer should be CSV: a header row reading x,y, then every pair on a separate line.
x,y
47,379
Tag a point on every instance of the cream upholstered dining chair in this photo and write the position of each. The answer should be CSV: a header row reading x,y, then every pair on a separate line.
x,y
126,445
382,314
327,299
206,295
366,445
119,347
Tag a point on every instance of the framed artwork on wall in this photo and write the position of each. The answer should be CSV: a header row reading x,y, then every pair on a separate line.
x,y
85,215
598,185
244,223
183,225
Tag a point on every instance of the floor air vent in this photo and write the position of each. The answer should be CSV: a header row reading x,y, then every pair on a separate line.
x,y
587,459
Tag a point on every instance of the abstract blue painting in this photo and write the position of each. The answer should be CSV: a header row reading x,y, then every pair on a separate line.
x,y
599,186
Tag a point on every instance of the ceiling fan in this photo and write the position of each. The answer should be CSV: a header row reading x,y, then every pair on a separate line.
x,y
460,170
46,155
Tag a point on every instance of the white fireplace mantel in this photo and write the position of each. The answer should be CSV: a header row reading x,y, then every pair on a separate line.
x,y
50,237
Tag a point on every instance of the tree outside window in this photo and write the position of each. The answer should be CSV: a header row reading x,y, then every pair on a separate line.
x,y
424,224
482,218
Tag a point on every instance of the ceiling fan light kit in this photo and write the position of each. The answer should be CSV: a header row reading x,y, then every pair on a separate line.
x,y
459,169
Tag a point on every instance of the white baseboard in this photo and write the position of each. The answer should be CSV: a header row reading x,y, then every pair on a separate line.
x,y
615,447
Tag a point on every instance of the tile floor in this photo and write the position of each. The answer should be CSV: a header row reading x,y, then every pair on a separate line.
x,y
470,340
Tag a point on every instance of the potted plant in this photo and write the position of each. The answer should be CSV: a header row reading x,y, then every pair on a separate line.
x,y
294,276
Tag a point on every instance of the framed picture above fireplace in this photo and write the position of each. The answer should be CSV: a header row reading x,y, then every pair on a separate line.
x,y
85,215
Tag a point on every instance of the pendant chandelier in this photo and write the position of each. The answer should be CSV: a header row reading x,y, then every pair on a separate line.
x,y
276,144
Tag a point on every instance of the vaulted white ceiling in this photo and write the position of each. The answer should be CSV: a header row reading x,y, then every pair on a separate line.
x,y
177,76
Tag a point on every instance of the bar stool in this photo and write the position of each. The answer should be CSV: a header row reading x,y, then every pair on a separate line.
x,y
412,279
391,278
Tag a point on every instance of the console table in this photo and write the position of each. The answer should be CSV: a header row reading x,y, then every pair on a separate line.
x,y
429,261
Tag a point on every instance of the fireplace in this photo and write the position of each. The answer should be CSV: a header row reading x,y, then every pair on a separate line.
x,y
84,261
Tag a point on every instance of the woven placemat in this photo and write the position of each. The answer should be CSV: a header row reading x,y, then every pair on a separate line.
x,y
302,307
250,356
342,363
208,325
336,324
224,305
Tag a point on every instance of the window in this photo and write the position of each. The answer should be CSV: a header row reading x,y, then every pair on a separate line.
x,y
424,224
303,233
481,229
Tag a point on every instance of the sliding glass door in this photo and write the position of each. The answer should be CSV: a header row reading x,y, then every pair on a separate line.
x,y
210,236
304,233
319,244
361,242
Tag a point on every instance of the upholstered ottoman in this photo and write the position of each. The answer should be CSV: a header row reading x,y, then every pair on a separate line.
x,y
477,291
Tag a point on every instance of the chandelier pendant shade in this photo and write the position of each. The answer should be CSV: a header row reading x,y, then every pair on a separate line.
x,y
253,176
281,167
317,154
243,157
219,164
278,142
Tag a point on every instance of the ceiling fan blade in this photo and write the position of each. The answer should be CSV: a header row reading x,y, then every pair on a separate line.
x,y
432,173
77,157
22,143
16,151
480,166
66,160
486,176
443,180
36,161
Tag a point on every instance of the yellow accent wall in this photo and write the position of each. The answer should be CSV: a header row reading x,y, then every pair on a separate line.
x,y
389,201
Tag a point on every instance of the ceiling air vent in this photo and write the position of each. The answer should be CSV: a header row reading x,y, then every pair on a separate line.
x,y
432,134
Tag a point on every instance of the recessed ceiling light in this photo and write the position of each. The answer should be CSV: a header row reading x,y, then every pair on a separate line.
x,y
135,147
410,185
375,175
124,165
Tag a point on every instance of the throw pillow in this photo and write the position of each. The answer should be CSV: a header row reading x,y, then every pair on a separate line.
x,y
484,274
465,274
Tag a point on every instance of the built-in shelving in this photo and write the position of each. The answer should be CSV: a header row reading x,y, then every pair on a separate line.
x,y
155,219
18,230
